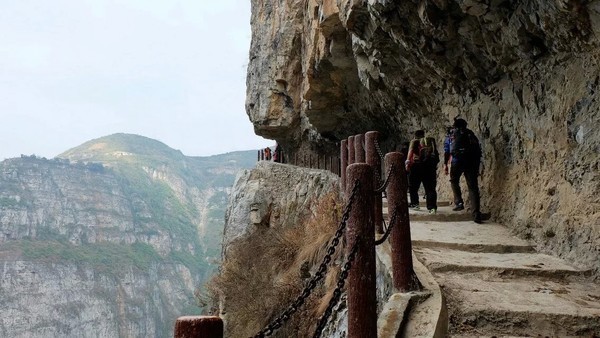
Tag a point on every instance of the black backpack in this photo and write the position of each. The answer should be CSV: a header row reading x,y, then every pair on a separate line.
x,y
465,145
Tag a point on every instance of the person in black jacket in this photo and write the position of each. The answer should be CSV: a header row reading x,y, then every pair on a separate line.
x,y
466,158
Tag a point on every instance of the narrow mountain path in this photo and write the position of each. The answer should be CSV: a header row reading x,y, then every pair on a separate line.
x,y
496,284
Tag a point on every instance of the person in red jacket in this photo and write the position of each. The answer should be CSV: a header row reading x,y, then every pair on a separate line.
x,y
421,165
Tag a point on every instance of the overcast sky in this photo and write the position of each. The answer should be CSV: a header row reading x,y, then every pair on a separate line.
x,y
172,70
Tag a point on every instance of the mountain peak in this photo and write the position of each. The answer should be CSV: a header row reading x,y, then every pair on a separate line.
x,y
121,146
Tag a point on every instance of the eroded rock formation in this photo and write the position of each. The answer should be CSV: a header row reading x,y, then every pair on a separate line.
x,y
524,74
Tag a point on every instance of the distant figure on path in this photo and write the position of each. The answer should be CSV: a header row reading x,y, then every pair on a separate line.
x,y
421,164
267,154
277,154
466,158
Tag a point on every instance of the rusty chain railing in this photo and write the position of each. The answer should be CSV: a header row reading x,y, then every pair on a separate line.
x,y
360,319
387,180
319,274
378,148
381,159
388,231
337,292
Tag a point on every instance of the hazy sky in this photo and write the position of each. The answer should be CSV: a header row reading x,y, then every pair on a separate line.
x,y
75,70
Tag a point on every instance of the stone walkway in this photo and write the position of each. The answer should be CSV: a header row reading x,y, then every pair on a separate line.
x,y
497,285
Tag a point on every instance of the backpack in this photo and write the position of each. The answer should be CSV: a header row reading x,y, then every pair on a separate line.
x,y
464,145
427,151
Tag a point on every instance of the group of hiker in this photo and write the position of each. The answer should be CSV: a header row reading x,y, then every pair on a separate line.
x,y
462,156
275,156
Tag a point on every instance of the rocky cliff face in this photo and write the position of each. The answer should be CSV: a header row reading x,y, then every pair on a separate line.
x,y
274,196
278,223
110,240
62,299
524,74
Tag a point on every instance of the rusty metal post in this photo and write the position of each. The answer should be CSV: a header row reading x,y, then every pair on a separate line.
x,y
400,240
344,156
375,162
362,298
198,327
351,152
359,149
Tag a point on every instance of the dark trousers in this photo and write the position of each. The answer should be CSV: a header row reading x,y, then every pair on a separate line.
x,y
426,174
470,170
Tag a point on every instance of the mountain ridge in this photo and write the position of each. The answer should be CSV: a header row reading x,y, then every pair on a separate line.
x,y
138,226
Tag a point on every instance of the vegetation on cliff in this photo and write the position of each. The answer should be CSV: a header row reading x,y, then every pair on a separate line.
x,y
120,205
264,272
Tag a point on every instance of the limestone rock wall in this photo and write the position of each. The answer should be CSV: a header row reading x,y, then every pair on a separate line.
x,y
523,73
70,300
273,195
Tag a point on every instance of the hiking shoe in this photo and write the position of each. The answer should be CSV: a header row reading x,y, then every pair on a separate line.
x,y
432,211
477,219
414,206
459,207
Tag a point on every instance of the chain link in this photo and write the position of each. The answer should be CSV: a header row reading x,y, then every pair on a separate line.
x,y
338,290
379,150
312,284
389,229
387,180
381,158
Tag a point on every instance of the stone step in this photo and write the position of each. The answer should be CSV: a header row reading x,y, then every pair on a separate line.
x,y
505,264
423,204
496,285
495,335
467,236
490,305
443,214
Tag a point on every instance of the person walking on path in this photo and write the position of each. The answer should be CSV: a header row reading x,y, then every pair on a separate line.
x,y
421,165
447,143
267,154
277,154
466,154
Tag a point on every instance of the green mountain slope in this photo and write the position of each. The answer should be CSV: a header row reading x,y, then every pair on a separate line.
x,y
118,205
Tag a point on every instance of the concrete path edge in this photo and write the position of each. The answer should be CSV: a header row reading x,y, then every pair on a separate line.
x,y
427,318
430,317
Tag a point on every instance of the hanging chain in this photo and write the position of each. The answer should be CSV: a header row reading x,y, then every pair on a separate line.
x,y
381,158
384,225
387,180
379,150
312,284
389,229
338,290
